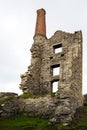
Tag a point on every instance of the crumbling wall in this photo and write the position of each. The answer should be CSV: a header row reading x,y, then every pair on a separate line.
x,y
39,77
57,60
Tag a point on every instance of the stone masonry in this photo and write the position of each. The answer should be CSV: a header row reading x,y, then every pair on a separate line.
x,y
61,53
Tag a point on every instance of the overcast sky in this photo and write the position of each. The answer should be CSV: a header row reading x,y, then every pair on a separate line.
x,y
17,26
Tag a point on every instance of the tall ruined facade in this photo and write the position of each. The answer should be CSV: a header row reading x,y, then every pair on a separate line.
x,y
56,66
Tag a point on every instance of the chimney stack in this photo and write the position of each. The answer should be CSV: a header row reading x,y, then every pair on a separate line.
x,y
40,23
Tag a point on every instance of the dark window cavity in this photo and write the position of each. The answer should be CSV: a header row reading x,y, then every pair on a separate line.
x,y
57,48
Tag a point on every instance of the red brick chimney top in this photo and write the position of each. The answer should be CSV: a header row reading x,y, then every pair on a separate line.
x,y
41,11
40,23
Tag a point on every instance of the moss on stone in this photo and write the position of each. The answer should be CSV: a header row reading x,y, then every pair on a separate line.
x,y
25,96
5,99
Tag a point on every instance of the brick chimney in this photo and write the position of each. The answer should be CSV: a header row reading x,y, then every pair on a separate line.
x,y
40,23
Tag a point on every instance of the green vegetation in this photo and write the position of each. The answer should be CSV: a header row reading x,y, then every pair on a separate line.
x,y
83,107
53,94
25,123
25,96
5,99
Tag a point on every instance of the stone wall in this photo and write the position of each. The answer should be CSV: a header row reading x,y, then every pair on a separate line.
x,y
43,107
39,77
47,107
11,104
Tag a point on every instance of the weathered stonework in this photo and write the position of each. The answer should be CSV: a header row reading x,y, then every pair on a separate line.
x,y
39,78
9,105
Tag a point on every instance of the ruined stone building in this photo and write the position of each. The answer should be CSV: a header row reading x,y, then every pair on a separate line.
x,y
56,66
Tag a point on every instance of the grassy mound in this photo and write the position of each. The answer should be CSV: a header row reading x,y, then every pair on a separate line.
x,y
25,123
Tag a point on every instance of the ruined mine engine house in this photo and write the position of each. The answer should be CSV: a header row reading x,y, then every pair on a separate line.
x,y
56,65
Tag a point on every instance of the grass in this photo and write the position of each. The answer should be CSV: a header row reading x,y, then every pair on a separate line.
x,y
25,123
25,96
22,122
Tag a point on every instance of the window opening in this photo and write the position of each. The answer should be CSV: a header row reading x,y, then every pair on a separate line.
x,y
62,55
55,70
57,48
54,86
51,57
